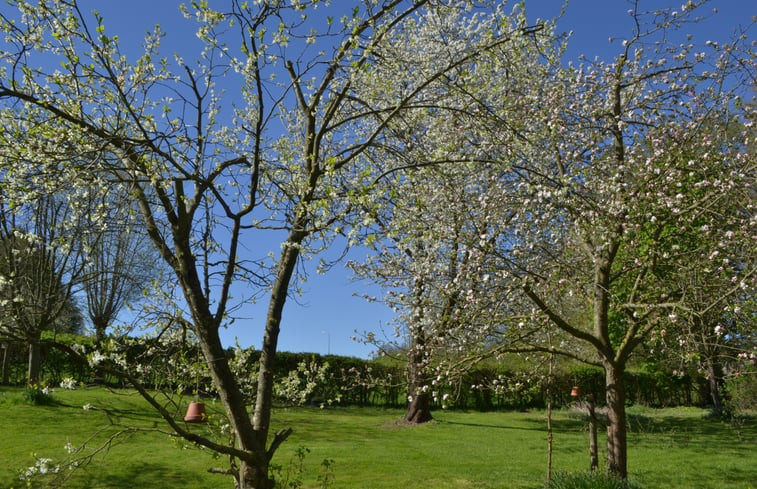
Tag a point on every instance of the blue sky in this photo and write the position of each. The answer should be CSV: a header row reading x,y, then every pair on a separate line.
x,y
328,314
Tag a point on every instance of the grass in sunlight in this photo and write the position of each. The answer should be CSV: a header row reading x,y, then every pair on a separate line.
x,y
369,448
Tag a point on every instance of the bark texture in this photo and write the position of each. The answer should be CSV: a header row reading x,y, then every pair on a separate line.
x,y
35,362
617,457
419,409
6,363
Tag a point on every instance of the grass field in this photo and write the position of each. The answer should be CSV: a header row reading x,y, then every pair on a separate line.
x,y
671,448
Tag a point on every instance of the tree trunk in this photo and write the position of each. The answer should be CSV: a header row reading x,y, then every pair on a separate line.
x,y
419,409
714,381
249,476
617,449
261,419
593,457
6,361
550,438
35,353
99,339
254,476
419,406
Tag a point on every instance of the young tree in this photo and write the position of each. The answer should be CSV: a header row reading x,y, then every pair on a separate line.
x,y
426,225
217,153
40,268
120,263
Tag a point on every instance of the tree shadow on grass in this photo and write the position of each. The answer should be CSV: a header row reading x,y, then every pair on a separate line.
x,y
708,478
117,415
535,425
146,475
699,433
738,436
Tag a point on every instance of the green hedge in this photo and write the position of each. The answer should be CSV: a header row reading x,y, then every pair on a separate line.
x,y
355,381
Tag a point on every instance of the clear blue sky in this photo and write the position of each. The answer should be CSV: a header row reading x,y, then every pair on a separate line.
x,y
328,314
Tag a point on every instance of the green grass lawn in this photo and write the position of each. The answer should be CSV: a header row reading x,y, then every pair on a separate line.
x,y
671,448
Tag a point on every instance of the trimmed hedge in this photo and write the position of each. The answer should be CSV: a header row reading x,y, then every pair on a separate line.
x,y
354,381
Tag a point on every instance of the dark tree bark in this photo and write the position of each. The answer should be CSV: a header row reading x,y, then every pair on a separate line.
x,y
419,403
35,362
419,409
6,362
715,382
617,454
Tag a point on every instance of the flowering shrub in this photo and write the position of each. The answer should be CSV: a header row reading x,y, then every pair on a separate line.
x,y
301,383
39,396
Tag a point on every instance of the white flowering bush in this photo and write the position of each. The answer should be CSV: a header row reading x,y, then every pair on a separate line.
x,y
299,385
38,395
68,383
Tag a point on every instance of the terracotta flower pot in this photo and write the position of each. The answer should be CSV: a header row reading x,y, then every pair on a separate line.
x,y
195,413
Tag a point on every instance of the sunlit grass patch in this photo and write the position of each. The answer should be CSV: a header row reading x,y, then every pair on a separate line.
x,y
369,448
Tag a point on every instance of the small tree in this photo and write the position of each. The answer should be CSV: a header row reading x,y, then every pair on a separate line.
x,y
40,267
119,264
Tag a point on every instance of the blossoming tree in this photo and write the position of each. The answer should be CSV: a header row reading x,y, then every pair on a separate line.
x,y
425,226
41,268
626,165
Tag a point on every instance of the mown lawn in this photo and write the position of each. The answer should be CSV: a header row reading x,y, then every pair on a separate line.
x,y
368,448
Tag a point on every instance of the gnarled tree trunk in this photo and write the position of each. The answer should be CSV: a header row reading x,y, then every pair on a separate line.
x,y
419,409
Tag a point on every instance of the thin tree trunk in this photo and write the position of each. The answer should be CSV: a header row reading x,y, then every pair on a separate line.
x,y
549,418
6,358
617,449
593,457
714,381
35,362
99,339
